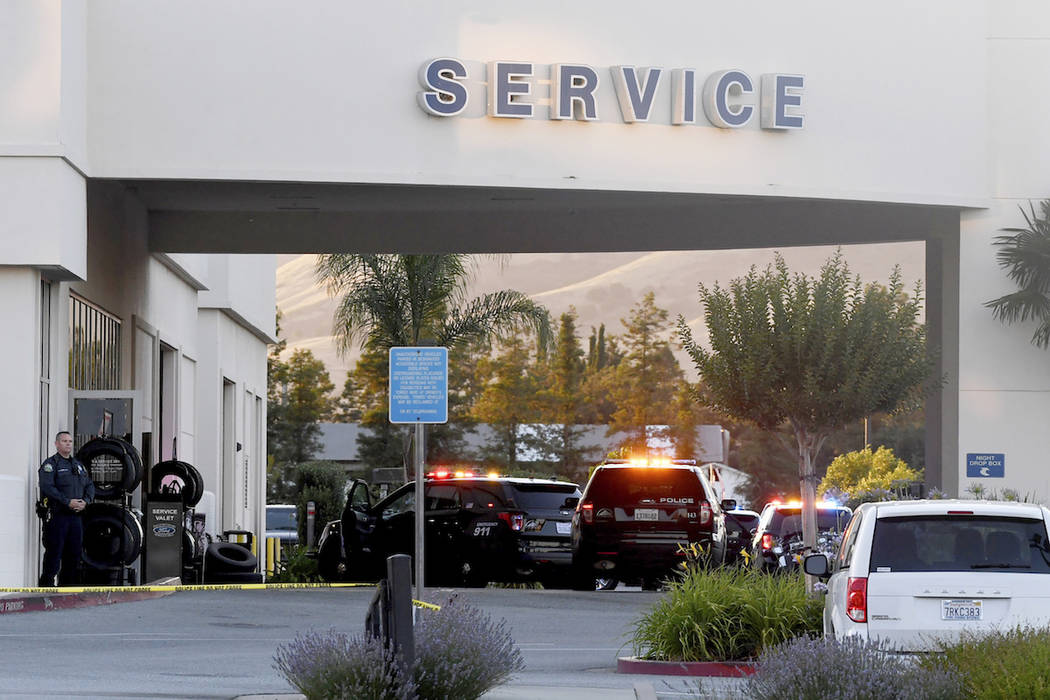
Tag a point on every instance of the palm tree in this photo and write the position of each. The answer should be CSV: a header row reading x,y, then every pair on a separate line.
x,y
1025,254
394,300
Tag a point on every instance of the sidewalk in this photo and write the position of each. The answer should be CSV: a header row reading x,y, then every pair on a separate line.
x,y
46,599
644,688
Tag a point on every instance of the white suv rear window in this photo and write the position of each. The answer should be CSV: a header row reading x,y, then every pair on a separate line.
x,y
960,543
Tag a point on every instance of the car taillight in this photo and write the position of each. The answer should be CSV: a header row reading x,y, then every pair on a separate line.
x,y
767,541
587,512
515,521
705,513
857,599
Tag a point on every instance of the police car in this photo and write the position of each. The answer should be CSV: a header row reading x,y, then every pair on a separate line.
x,y
479,528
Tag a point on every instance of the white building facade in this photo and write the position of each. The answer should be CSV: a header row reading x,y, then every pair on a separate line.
x,y
153,158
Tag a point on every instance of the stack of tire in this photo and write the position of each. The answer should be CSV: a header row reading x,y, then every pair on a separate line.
x,y
112,532
177,478
230,562
173,477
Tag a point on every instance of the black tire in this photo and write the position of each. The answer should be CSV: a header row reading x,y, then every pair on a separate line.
x,y
606,584
473,575
555,583
112,464
581,577
106,528
196,475
232,577
329,559
651,583
188,548
228,557
175,477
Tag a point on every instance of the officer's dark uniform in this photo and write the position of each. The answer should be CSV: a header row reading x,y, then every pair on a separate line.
x,y
61,480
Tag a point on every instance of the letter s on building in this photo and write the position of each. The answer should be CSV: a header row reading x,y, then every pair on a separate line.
x,y
443,95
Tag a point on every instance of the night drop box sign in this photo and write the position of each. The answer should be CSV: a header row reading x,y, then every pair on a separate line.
x,y
984,465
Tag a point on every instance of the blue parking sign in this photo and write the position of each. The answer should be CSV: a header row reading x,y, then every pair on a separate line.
x,y
981,465
419,385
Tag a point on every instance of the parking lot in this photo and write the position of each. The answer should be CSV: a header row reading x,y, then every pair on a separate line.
x,y
220,644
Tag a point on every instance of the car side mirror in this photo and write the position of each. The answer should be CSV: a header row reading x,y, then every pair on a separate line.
x,y
816,565
571,502
728,504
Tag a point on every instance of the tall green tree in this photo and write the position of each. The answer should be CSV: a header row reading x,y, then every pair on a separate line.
x,y
816,353
446,442
299,387
508,400
380,443
1025,255
296,399
347,407
561,399
648,376
391,300
603,357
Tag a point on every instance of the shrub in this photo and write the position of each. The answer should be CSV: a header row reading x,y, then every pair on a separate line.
x,y
334,666
324,483
725,615
807,667
295,567
1003,664
461,652
864,470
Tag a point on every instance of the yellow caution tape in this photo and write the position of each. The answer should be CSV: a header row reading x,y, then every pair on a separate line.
x,y
204,587
179,588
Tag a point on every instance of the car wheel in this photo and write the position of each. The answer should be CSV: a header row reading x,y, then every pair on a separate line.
x,y
606,584
329,561
554,582
473,576
581,578
651,583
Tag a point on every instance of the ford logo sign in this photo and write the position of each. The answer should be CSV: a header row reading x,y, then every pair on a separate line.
x,y
164,530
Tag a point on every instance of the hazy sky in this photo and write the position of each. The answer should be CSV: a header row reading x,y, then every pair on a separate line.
x,y
602,287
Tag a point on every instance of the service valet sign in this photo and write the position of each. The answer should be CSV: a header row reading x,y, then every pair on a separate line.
x,y
727,97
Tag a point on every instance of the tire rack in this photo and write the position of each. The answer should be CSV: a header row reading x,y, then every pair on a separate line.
x,y
126,575
125,572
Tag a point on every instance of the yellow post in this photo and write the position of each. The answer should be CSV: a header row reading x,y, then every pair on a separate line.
x,y
269,556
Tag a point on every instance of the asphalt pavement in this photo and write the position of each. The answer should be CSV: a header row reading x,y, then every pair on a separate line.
x,y
220,644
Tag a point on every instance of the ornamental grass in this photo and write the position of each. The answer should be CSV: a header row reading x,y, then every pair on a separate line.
x,y
726,614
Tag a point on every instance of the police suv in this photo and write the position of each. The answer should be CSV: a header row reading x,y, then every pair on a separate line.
x,y
478,529
637,520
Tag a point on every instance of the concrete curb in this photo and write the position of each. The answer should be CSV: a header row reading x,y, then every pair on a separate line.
x,y
715,669
57,600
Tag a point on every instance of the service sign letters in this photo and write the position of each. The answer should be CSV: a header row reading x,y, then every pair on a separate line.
x,y
728,99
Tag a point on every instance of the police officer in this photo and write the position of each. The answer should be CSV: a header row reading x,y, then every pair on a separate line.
x,y
68,488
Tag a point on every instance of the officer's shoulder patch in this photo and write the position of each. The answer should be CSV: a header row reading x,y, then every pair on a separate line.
x,y
48,467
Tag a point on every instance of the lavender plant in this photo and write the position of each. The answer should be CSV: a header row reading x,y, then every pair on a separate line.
x,y
333,666
461,653
852,669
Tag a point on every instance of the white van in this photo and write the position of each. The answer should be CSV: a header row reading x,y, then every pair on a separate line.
x,y
913,573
